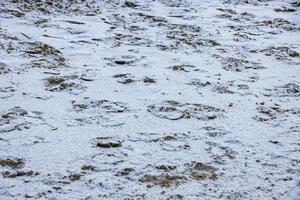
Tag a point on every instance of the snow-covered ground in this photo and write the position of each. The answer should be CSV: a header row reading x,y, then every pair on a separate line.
x,y
150,99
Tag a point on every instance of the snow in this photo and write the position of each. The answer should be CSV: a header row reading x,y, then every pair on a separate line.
x,y
218,120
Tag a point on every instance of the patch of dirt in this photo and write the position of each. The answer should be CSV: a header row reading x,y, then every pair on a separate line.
x,y
279,23
220,153
215,131
75,177
12,163
4,68
166,168
17,119
129,39
124,172
7,92
130,4
189,35
174,110
274,112
42,48
103,112
170,177
284,9
45,56
108,144
149,80
129,78
199,83
183,67
70,84
162,180
106,106
7,174
126,60
239,64
220,87
280,53
73,7
287,90
125,78
200,171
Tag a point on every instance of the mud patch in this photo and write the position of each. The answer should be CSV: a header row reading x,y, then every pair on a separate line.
x,y
287,90
18,119
126,60
4,68
7,92
73,7
12,163
279,23
215,131
162,180
174,176
173,110
200,171
274,112
280,53
70,84
43,55
106,106
104,112
125,78
239,64
108,143
183,67
16,174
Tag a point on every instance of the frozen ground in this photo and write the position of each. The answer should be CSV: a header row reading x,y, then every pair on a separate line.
x,y
150,99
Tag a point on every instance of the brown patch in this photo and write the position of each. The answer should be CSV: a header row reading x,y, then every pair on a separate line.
x,y
55,80
163,180
174,110
200,171
74,177
42,48
17,163
166,168
8,174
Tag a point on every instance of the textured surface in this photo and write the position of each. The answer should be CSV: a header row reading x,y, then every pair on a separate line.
x,y
150,99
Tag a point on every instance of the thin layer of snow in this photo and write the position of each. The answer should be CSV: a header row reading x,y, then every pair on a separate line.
x,y
224,92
